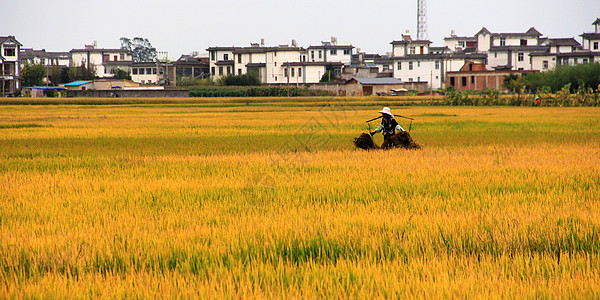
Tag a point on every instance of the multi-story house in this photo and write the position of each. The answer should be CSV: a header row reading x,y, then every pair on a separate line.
x,y
417,61
9,65
45,58
53,61
274,65
105,62
330,52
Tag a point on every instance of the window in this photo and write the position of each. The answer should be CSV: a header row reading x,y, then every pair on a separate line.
x,y
275,78
575,60
212,55
225,56
312,54
472,79
142,71
9,52
275,64
523,42
228,70
212,71
495,54
348,51
410,80
239,58
220,70
292,69
320,54
585,61
419,79
452,81
545,64
285,72
410,65
43,61
520,56
299,72
461,44
116,57
399,66
134,71
464,81
122,56
239,71
418,64
595,45
437,64
154,71
333,52
149,71
565,61
502,41
412,50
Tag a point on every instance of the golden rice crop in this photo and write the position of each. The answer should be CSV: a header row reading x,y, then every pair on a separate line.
x,y
273,201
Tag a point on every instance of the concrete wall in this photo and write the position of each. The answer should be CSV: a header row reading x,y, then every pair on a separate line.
x,y
129,93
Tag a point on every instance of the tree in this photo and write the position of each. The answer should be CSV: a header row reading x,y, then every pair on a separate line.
x,y
81,73
140,48
121,74
33,75
329,75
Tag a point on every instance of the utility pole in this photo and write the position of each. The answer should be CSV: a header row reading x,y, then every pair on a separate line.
x,y
421,20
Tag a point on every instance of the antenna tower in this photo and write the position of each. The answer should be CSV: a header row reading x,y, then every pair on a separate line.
x,y
421,20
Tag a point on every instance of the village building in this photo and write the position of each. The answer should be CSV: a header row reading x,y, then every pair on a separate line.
x,y
476,76
10,69
104,62
416,61
372,86
193,65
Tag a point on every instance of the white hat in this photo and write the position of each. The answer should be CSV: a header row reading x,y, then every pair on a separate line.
x,y
386,110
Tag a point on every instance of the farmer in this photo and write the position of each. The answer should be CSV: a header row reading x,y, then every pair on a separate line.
x,y
387,128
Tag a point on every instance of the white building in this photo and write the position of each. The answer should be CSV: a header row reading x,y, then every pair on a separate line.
x,y
277,65
104,62
10,70
330,52
45,58
417,61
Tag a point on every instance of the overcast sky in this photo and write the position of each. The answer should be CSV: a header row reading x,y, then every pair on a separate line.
x,y
183,26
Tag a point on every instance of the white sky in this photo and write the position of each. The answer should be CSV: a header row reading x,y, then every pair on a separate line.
x,y
183,26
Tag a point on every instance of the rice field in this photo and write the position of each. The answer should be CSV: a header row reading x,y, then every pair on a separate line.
x,y
272,200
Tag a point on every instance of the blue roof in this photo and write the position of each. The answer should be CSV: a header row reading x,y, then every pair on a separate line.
x,y
43,87
79,82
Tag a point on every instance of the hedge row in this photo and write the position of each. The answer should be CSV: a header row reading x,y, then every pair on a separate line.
x,y
258,92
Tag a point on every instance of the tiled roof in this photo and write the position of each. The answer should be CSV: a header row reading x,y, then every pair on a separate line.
x,y
100,50
518,48
30,53
563,42
224,63
590,36
531,32
316,63
331,47
4,39
256,65
410,42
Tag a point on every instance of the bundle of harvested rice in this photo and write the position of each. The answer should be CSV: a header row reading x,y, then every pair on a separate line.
x,y
404,140
365,141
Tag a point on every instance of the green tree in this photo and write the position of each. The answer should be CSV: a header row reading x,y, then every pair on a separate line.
x,y
81,73
140,48
122,74
33,75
